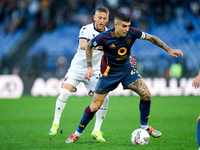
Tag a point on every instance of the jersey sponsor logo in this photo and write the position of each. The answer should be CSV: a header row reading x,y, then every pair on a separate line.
x,y
128,41
122,51
113,45
121,57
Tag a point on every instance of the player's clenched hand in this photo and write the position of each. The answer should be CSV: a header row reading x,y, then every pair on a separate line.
x,y
175,52
133,61
89,73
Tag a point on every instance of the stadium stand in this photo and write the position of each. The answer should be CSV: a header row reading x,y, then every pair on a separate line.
x,y
8,41
177,24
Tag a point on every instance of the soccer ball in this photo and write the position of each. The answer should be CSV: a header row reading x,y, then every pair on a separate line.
x,y
140,137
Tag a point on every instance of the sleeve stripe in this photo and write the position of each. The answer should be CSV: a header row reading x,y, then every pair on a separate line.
x,y
82,38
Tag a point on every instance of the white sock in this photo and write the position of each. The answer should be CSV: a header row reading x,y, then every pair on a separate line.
x,y
144,127
78,133
60,105
100,114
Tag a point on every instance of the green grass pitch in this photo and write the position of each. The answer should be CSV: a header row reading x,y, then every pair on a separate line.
x,y
25,123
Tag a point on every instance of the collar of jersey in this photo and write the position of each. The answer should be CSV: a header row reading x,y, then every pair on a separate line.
x,y
96,29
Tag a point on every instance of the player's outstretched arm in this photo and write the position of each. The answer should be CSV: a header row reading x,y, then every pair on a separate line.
x,y
155,40
196,81
88,50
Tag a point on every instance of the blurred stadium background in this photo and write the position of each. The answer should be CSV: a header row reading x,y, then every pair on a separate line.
x,y
40,37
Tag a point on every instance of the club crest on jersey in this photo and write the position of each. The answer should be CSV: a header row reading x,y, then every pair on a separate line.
x,y
128,41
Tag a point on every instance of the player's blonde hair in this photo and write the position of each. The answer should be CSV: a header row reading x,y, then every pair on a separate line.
x,y
102,9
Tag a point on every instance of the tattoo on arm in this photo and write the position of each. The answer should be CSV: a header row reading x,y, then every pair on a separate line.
x,y
155,40
96,100
89,54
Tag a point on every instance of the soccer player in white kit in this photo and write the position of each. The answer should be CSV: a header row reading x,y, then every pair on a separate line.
x,y
77,70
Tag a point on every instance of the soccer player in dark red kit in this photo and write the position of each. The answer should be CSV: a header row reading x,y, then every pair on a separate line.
x,y
116,68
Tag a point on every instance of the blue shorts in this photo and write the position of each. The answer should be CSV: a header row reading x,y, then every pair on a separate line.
x,y
108,83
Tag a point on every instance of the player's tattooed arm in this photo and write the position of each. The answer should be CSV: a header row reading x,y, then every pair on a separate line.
x,y
140,87
155,40
88,49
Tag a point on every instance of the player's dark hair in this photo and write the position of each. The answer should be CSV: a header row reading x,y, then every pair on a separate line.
x,y
122,17
102,9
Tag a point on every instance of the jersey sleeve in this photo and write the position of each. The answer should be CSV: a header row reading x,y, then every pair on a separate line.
x,y
99,40
137,33
83,34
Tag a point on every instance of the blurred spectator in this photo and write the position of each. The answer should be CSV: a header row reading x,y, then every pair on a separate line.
x,y
14,15
175,71
49,13
195,7
189,26
15,71
33,9
44,19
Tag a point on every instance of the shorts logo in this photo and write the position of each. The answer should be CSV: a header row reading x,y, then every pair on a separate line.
x,y
100,89
128,41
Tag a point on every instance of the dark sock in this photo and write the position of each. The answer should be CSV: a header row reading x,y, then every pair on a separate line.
x,y
87,116
144,111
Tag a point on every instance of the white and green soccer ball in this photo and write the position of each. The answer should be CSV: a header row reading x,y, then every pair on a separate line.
x,y
140,137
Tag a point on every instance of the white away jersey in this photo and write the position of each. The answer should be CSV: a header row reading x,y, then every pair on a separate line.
x,y
79,62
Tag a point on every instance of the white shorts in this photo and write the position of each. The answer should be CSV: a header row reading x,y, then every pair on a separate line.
x,y
75,77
